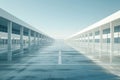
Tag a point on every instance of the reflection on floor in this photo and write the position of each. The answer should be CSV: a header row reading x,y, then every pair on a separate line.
x,y
55,62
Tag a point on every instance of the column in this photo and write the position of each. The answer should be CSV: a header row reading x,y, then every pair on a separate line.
x,y
29,40
21,40
9,56
93,43
111,41
87,43
34,39
42,39
79,41
101,42
39,39
84,46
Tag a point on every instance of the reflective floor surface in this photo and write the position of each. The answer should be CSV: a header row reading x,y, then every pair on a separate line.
x,y
56,62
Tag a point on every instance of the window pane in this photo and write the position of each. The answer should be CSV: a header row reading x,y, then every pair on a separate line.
x,y
117,28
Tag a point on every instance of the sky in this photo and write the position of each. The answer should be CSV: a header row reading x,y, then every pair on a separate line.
x,y
60,18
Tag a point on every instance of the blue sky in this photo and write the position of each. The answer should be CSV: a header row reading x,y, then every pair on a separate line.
x,y
60,18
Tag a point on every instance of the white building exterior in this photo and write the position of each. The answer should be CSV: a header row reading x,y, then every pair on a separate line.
x,y
15,34
101,40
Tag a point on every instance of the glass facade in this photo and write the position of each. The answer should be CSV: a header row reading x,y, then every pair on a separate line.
x,y
106,33
97,33
3,35
117,35
117,28
15,31
3,28
90,37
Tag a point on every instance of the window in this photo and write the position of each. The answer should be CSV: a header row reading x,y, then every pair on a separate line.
x,y
108,40
90,34
97,32
90,40
117,28
106,31
3,28
15,31
117,40
32,33
0,41
97,40
25,33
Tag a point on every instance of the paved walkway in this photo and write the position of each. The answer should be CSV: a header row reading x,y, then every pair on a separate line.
x,y
56,62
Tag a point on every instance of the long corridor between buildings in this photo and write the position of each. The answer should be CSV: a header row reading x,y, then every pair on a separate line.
x,y
55,62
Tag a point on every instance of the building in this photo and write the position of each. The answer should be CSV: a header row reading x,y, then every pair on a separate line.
x,y
15,35
100,40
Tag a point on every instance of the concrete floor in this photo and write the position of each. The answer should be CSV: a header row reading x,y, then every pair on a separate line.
x,y
56,62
